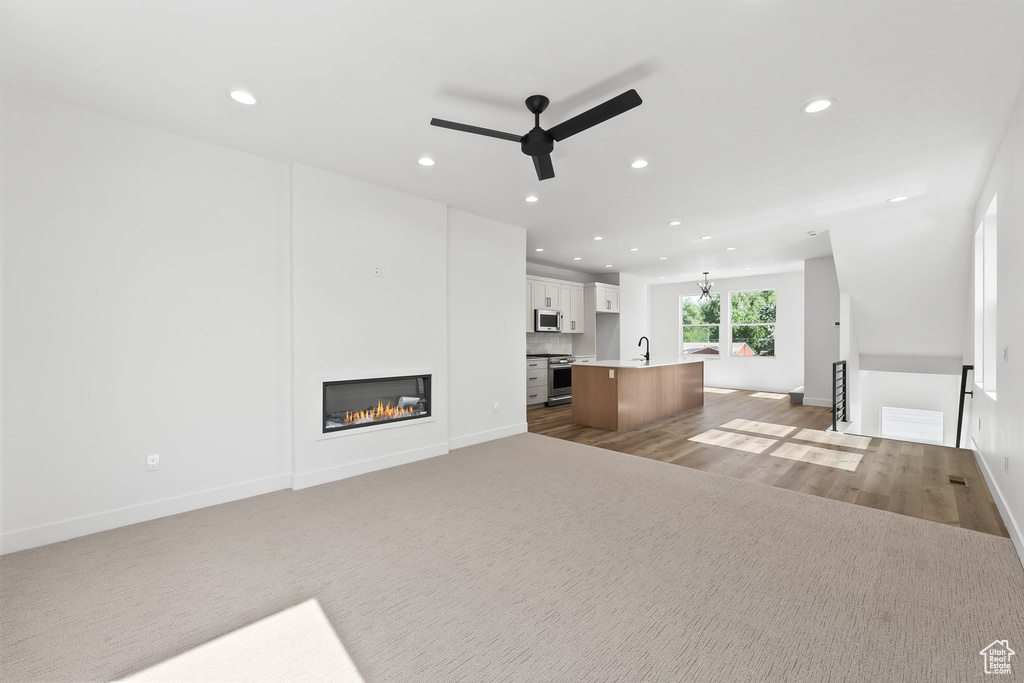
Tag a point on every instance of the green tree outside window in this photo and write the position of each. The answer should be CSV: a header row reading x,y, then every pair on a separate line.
x,y
753,323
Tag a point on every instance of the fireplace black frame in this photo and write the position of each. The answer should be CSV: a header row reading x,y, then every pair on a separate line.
x,y
428,389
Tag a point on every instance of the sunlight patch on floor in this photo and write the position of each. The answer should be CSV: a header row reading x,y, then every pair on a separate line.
x,y
298,644
715,390
766,428
768,394
834,438
739,442
819,456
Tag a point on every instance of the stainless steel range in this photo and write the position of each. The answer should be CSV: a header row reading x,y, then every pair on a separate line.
x,y
559,377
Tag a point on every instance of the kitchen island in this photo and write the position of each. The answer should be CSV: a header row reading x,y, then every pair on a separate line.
x,y
618,395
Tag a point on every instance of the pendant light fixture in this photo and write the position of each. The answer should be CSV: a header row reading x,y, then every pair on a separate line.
x,y
705,289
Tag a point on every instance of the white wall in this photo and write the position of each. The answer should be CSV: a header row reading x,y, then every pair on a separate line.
x,y
163,295
346,323
821,336
784,372
918,391
486,266
849,350
145,290
634,315
1000,440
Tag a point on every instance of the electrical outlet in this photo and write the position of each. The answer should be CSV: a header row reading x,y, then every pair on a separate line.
x,y
152,462
378,271
497,407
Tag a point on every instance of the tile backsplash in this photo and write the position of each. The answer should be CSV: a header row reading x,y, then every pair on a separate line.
x,y
548,342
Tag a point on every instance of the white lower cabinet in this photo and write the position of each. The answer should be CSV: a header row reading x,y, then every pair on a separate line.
x,y
585,360
536,381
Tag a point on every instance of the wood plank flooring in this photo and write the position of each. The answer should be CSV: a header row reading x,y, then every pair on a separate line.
x,y
764,438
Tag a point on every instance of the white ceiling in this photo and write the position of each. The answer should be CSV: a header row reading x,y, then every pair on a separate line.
x,y
924,89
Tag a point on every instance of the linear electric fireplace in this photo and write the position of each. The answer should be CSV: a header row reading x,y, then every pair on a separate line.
x,y
355,403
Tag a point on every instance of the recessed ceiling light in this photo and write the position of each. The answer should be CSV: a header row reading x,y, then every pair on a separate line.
x,y
814,106
607,265
639,163
706,237
662,277
662,258
243,97
531,198
426,161
675,222
730,248
577,258
539,249
812,233
898,199
634,248
747,268
598,238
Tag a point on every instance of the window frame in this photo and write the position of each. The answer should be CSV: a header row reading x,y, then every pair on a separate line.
x,y
683,325
733,325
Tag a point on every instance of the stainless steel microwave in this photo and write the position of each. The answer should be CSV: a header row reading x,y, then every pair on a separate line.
x,y
547,321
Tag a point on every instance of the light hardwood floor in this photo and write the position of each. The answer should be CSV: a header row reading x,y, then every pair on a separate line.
x,y
763,437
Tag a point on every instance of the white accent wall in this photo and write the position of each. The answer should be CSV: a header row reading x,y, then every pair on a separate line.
x,y
145,309
821,336
634,316
485,282
916,391
849,350
1000,439
347,323
164,295
782,373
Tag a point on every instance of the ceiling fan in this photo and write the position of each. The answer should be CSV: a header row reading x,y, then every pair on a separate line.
x,y
539,143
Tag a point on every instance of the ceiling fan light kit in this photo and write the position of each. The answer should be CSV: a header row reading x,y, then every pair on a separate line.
x,y
539,143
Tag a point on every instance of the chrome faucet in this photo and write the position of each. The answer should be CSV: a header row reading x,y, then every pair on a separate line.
x,y
647,356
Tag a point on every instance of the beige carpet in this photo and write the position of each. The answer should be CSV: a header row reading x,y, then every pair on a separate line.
x,y
532,559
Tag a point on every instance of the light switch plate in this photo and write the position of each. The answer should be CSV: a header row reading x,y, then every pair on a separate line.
x,y
611,374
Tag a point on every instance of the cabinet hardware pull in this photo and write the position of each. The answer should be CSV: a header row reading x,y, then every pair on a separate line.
x,y
533,395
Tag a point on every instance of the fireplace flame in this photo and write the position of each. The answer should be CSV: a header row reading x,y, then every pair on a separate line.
x,y
383,411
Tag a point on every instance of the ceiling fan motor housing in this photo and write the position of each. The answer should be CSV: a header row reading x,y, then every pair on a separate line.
x,y
537,143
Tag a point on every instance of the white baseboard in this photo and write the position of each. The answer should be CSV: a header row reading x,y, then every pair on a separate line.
x,y
33,537
352,469
820,402
489,435
1004,510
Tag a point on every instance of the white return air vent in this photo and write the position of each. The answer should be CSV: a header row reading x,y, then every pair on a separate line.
x,y
908,424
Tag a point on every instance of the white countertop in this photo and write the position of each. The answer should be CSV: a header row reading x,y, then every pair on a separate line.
x,y
639,364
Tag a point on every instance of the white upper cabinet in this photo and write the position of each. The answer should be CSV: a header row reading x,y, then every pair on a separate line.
x,y
571,296
546,295
607,298
567,297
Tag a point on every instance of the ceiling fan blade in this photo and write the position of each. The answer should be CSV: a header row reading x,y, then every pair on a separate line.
x,y
441,123
545,169
599,114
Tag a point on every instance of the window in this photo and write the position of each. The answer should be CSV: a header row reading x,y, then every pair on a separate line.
x,y
753,323
701,321
985,345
